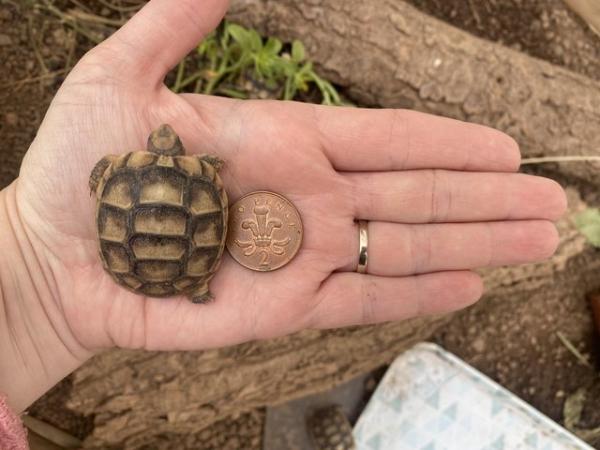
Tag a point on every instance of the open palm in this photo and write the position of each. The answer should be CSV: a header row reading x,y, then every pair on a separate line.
x,y
439,195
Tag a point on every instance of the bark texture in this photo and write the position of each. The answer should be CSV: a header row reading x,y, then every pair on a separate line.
x,y
136,395
386,54
389,54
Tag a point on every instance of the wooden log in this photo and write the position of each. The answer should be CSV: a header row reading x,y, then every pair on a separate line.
x,y
136,395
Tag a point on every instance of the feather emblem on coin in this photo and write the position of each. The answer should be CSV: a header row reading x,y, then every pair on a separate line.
x,y
265,231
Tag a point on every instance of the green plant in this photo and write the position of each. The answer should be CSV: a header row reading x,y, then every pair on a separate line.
x,y
588,223
233,54
233,60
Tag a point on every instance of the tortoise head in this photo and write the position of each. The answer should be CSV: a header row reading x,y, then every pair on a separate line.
x,y
164,141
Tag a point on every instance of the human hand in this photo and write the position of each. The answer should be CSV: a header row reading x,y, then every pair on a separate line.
x,y
440,195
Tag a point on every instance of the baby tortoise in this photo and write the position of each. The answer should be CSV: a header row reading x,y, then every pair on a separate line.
x,y
161,218
330,430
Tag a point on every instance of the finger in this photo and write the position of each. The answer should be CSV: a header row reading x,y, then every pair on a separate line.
x,y
355,299
400,250
355,139
392,139
161,34
445,196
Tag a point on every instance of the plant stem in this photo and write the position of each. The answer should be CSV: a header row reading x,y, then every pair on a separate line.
x,y
567,343
180,70
33,79
198,86
122,9
548,159
223,70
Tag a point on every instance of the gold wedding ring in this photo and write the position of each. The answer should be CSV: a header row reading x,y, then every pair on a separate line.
x,y
363,244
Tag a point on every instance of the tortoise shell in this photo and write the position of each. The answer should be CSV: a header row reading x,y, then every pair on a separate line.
x,y
330,429
161,218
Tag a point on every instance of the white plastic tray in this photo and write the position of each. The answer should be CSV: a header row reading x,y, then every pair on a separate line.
x,y
431,400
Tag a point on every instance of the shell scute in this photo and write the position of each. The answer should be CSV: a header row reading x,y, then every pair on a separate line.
x,y
160,185
137,160
189,165
158,289
158,247
165,161
157,270
130,281
117,257
207,233
117,191
186,282
160,221
120,161
112,224
204,198
201,261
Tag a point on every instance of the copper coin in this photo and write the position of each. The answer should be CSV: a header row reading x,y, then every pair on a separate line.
x,y
265,231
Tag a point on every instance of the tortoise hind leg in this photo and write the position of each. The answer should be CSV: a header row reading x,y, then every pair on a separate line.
x,y
99,170
201,294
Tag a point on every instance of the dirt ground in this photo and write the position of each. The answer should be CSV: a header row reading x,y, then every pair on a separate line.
x,y
545,29
35,50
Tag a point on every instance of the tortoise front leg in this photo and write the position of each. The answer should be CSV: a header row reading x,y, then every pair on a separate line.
x,y
213,160
99,170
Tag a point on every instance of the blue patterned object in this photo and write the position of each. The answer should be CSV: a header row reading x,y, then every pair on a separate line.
x,y
431,400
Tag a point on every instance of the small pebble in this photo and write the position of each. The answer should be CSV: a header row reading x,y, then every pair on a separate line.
x,y
60,37
11,119
370,384
479,345
5,40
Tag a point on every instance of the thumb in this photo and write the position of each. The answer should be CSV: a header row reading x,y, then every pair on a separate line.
x,y
161,34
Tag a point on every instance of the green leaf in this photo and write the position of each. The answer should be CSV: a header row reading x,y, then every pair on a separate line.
x,y
256,40
234,52
281,66
588,223
240,35
307,68
298,51
288,67
273,46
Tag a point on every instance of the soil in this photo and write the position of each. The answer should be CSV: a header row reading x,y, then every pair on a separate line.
x,y
518,345
544,29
